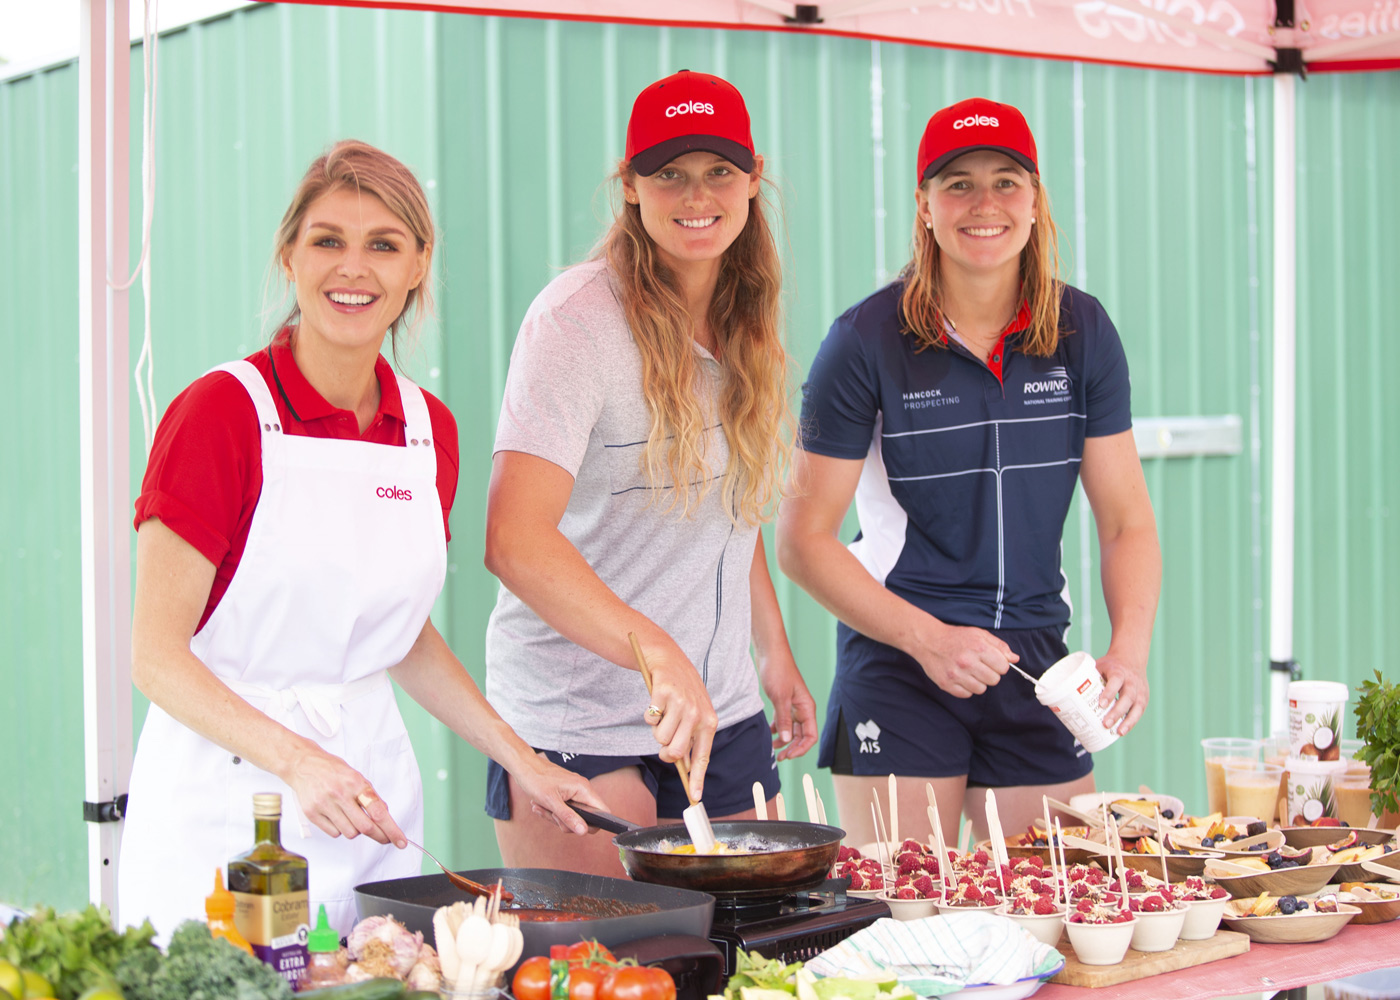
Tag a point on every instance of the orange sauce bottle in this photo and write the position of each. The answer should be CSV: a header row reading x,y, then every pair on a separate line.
x,y
218,907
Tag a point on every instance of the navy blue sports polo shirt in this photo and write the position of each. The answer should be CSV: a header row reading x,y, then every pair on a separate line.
x,y
968,478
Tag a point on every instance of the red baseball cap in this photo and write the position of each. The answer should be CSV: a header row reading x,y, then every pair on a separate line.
x,y
687,112
974,124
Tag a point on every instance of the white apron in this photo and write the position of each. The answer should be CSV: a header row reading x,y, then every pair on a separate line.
x,y
345,555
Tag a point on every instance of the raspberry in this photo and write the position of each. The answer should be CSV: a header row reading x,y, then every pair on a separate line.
x,y
912,845
1044,906
1218,893
874,880
1122,917
966,880
972,895
930,864
869,866
981,857
925,887
859,880
906,892
1084,905
909,863
1079,890
1135,878
902,880
1151,904
1095,877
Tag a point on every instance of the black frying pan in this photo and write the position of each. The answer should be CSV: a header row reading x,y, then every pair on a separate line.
x,y
786,857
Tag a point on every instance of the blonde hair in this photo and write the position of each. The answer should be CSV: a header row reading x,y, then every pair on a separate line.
x,y
745,317
919,306
368,170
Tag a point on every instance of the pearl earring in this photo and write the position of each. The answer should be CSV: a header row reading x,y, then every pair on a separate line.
x,y
928,225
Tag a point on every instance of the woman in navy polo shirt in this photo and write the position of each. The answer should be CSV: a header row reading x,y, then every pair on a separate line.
x,y
958,406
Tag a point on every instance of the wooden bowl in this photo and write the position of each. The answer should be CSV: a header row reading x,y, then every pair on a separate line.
x,y
1373,911
1283,882
1295,928
1321,836
1359,873
1179,866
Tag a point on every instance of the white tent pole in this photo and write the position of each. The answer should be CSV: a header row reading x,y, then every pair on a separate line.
x,y
1284,391
103,196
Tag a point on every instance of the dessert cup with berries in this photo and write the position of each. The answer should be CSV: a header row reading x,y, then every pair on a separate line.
x,y
1042,915
1205,903
1159,920
1099,932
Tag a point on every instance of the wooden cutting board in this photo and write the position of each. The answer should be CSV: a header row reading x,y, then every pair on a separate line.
x,y
1141,964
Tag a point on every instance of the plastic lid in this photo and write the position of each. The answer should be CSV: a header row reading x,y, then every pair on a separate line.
x,y
218,905
267,805
324,937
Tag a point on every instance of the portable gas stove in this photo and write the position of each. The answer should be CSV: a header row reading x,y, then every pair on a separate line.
x,y
793,927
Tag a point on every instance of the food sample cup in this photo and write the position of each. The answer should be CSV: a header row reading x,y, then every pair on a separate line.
x,y
1312,788
1354,766
1353,792
1071,690
1276,749
1252,790
1316,714
1221,751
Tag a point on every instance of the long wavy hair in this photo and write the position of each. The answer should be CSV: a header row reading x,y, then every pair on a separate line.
x,y
367,169
920,306
752,404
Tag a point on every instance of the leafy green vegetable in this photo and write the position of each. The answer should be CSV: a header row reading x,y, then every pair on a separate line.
x,y
199,967
74,951
752,969
1378,725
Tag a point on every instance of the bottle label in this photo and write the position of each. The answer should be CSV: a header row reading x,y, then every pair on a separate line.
x,y
278,928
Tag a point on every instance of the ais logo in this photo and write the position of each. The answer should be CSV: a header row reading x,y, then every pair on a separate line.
x,y
393,493
972,120
869,735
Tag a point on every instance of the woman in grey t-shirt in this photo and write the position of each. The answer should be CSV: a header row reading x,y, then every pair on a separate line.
x,y
658,362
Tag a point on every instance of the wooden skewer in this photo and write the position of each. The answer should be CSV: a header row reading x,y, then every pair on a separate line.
x,y
821,806
780,807
1122,868
894,812
760,804
810,791
881,833
1059,838
882,855
998,841
1162,849
943,862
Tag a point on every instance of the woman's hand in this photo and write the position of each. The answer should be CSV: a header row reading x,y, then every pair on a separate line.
x,y
339,799
1128,683
551,788
794,725
961,660
686,725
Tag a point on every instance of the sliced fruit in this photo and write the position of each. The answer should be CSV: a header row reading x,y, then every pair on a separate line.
x,y
1258,864
1355,855
1263,905
1350,840
35,985
1322,820
1303,856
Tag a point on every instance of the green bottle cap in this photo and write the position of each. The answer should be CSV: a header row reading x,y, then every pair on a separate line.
x,y
324,937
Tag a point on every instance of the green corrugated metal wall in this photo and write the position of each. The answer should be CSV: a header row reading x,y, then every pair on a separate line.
x,y
511,124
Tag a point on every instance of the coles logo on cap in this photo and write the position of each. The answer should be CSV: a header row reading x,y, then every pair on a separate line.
x,y
974,124
686,113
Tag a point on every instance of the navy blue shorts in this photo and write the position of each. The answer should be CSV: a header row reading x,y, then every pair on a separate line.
x,y
742,754
886,717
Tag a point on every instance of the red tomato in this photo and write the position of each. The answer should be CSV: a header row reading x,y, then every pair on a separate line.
x,y
589,951
531,980
637,982
585,980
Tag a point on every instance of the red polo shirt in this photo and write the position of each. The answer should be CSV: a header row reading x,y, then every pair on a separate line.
x,y
204,475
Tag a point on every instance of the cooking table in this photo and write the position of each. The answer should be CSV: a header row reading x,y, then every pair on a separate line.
x,y
1264,968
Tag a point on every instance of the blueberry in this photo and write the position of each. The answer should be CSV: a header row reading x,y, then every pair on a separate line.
x,y
1039,842
1302,904
1345,823
1207,841
1260,847
1169,814
1288,904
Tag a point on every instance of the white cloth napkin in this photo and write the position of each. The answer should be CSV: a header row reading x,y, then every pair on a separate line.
x,y
937,955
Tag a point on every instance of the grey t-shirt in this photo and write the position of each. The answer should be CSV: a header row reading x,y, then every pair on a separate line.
x,y
574,397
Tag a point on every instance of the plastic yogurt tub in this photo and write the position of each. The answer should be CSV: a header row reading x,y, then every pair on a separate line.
x,y
1316,713
1311,788
1071,690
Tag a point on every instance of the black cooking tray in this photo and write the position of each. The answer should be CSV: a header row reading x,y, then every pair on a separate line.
x,y
412,902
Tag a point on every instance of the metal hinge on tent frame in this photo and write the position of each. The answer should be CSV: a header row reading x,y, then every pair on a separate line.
x,y
804,13
1288,59
105,812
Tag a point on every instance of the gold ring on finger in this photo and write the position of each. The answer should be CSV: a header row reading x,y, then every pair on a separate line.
x,y
654,712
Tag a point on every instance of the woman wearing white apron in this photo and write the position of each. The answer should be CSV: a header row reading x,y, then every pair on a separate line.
x,y
292,540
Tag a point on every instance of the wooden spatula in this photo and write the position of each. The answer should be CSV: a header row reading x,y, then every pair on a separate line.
x,y
697,820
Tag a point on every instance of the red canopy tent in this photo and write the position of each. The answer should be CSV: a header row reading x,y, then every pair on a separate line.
x,y
1241,37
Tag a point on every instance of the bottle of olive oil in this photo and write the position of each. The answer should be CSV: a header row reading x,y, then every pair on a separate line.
x,y
269,884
